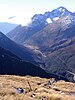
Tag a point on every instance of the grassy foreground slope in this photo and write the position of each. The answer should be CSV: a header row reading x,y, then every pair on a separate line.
x,y
40,88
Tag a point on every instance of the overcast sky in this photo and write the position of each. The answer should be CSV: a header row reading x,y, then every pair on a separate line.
x,y
23,10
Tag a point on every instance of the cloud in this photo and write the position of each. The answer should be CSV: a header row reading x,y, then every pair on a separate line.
x,y
11,17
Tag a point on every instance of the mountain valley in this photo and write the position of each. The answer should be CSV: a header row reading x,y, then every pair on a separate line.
x,y
48,42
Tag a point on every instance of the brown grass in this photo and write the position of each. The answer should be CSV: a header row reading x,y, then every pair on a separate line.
x,y
60,90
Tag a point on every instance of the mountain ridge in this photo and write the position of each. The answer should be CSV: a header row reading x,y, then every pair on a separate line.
x,y
6,27
39,21
20,51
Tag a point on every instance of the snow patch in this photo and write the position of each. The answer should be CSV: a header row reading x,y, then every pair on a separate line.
x,y
68,19
63,11
60,9
49,20
56,18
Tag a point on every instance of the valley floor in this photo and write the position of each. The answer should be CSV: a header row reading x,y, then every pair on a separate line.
x,y
35,88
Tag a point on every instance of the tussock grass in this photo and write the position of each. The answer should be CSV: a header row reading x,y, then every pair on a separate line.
x,y
41,90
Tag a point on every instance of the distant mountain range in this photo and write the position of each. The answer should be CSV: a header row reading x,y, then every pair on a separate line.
x,y
5,27
50,39
21,33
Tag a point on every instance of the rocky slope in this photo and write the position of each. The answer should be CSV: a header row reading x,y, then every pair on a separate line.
x,y
57,45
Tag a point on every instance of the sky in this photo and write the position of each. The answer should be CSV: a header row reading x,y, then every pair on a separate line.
x,y
21,11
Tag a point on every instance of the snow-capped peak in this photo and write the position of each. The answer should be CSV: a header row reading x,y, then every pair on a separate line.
x,y
59,12
61,8
48,17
